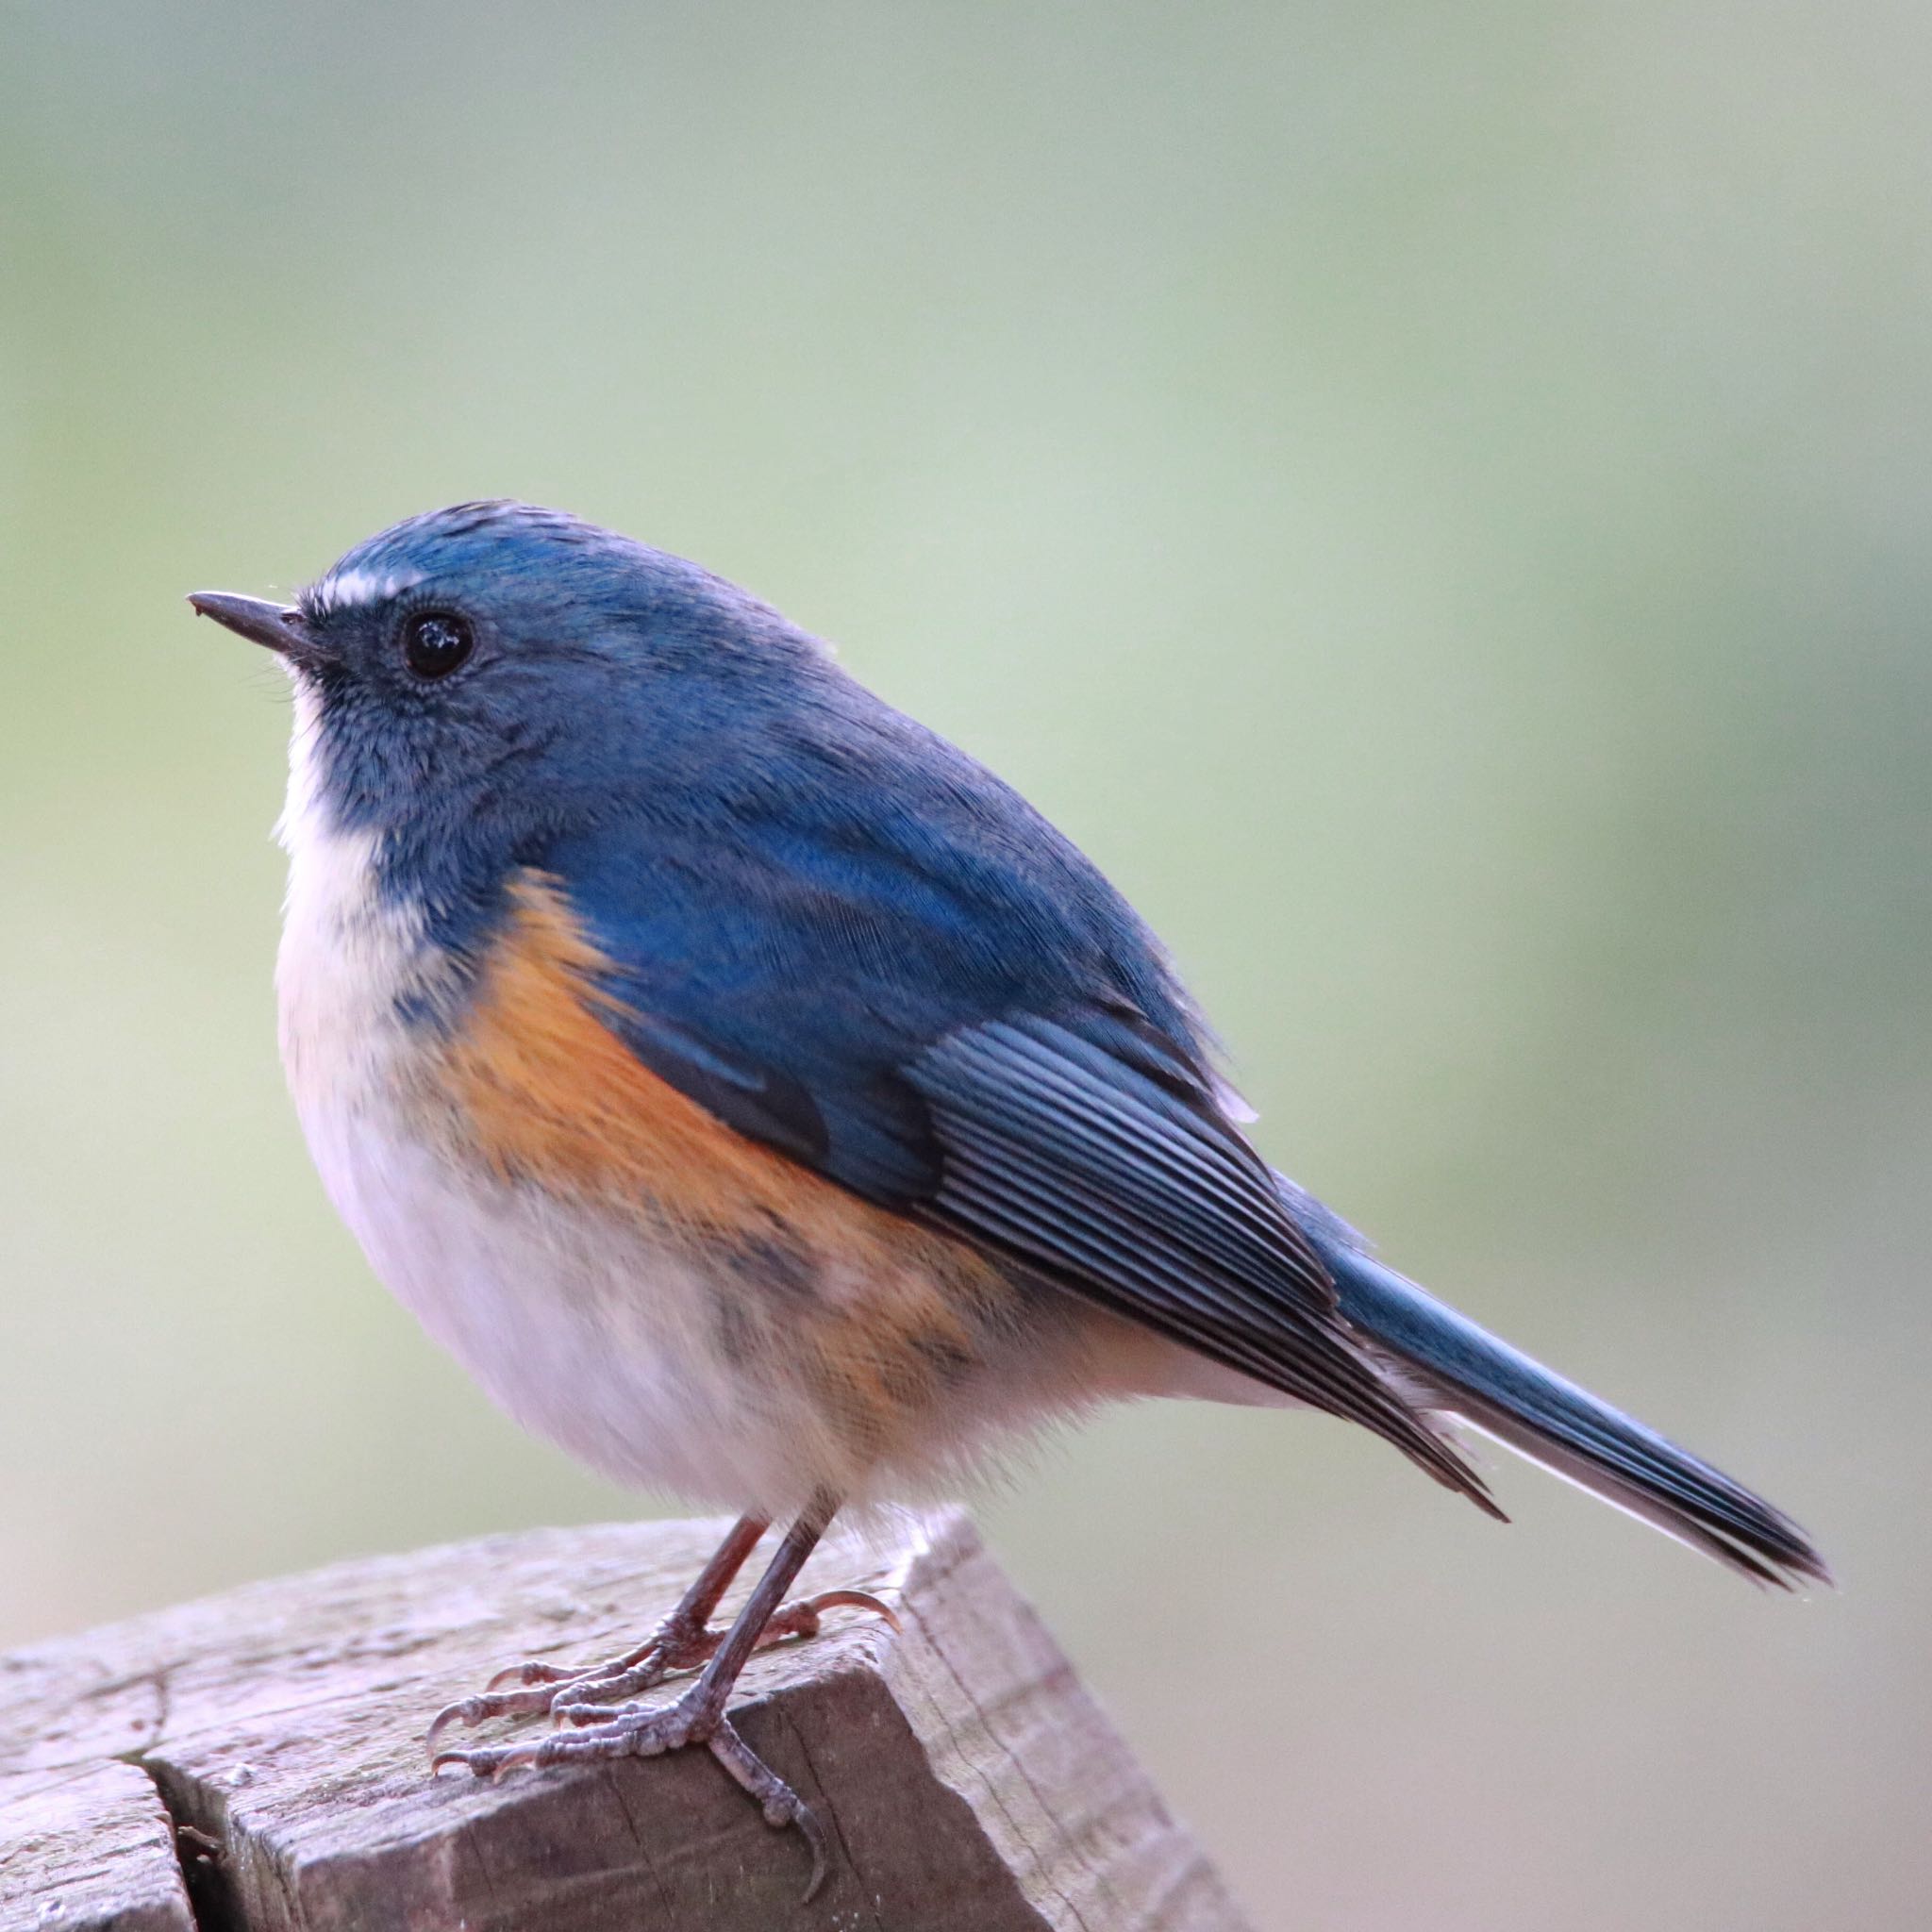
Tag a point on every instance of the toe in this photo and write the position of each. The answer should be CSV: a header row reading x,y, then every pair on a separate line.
x,y
855,1600
814,1833
531,1672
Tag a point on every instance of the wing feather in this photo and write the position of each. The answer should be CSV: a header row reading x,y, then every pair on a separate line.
x,y
912,985
1088,1169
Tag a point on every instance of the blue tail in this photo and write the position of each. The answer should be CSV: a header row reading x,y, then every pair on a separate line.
x,y
1450,1364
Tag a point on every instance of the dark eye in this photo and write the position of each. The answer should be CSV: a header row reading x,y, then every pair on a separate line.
x,y
436,641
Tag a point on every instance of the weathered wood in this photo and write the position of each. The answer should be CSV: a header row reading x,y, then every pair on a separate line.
x,y
966,1780
89,1847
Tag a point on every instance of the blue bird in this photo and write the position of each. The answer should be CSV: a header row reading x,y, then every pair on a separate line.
x,y
767,1105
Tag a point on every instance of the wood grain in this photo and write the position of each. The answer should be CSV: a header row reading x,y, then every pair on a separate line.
x,y
967,1780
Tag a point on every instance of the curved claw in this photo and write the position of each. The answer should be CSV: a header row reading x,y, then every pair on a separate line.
x,y
467,1712
803,1619
777,1803
472,1712
814,1833
855,1600
485,1764
527,1673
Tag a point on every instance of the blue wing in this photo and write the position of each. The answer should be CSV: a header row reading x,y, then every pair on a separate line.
x,y
904,978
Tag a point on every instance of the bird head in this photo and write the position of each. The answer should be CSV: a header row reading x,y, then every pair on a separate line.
x,y
499,667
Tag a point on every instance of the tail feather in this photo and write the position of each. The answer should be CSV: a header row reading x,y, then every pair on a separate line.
x,y
1461,1368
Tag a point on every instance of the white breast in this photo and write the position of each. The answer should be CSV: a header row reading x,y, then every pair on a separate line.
x,y
584,1327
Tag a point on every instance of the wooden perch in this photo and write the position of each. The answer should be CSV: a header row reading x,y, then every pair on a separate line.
x,y
255,1762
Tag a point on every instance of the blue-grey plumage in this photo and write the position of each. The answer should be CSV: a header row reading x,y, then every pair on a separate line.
x,y
847,942
761,1097
1453,1365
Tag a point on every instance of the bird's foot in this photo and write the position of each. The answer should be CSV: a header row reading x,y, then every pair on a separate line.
x,y
596,1703
632,1731
591,1695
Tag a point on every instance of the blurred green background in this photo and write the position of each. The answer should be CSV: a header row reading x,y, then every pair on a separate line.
x,y
1432,496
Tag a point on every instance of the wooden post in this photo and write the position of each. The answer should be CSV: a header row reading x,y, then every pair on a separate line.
x,y
255,1762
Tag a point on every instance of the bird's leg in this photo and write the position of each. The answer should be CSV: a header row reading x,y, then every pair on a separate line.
x,y
630,1730
540,1685
682,1642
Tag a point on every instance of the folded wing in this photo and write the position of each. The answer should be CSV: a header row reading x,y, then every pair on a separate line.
x,y
978,1046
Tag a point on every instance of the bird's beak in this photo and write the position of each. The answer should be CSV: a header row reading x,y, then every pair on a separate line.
x,y
277,626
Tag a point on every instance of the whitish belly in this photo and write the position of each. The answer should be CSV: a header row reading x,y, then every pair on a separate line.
x,y
589,1332
666,1366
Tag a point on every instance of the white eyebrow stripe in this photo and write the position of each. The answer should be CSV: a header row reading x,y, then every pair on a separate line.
x,y
350,588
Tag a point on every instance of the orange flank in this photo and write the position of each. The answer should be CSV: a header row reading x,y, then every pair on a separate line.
x,y
880,1312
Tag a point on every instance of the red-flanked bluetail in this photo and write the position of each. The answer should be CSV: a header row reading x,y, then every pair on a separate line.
x,y
768,1105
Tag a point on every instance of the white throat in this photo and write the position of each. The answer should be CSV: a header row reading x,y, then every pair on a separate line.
x,y
348,954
